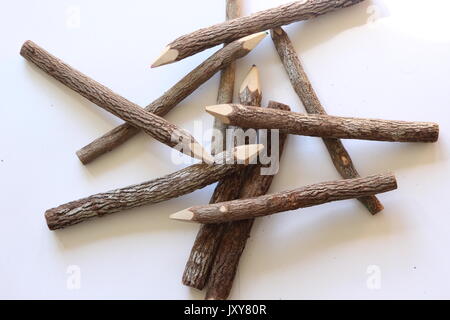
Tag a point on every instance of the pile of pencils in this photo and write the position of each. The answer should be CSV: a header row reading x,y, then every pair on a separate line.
x,y
240,195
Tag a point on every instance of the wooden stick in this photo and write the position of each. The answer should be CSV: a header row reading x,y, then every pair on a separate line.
x,y
226,86
288,200
304,89
235,237
95,92
202,39
168,187
198,266
173,96
325,126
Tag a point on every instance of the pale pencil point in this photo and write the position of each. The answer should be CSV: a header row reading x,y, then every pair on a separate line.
x,y
167,56
183,215
220,111
246,153
251,41
198,152
251,81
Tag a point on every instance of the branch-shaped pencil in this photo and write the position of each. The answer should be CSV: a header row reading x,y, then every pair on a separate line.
x,y
205,38
226,86
95,92
236,234
304,89
173,96
325,126
161,189
209,236
308,196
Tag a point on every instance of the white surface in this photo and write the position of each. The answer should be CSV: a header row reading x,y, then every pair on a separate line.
x,y
385,58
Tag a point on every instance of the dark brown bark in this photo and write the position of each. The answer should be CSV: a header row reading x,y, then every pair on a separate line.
x,y
235,237
304,89
157,190
290,200
167,101
202,39
325,126
202,255
95,92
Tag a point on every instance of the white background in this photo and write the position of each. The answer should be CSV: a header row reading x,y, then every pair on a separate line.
x,y
383,58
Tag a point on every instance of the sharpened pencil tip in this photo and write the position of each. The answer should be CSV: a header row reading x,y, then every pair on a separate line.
x,y
251,41
220,111
167,56
183,215
251,81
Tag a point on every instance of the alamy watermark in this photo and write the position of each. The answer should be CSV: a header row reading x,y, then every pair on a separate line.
x,y
73,281
73,17
373,281
268,158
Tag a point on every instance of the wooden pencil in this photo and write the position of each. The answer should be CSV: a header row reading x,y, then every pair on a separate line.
x,y
198,266
304,89
307,196
226,85
105,98
234,239
157,190
172,97
202,39
325,126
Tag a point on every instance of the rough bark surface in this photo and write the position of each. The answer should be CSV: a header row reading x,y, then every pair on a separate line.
x,y
226,87
167,101
202,254
304,89
95,92
290,200
161,189
325,126
198,266
205,38
235,237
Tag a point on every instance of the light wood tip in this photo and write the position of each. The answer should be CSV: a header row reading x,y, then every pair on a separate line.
x,y
251,41
167,56
246,153
198,152
220,111
251,81
183,215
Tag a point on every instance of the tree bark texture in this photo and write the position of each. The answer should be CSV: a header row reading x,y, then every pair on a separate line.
x,y
95,92
202,255
167,101
290,200
157,190
205,38
235,237
325,126
226,86
304,89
